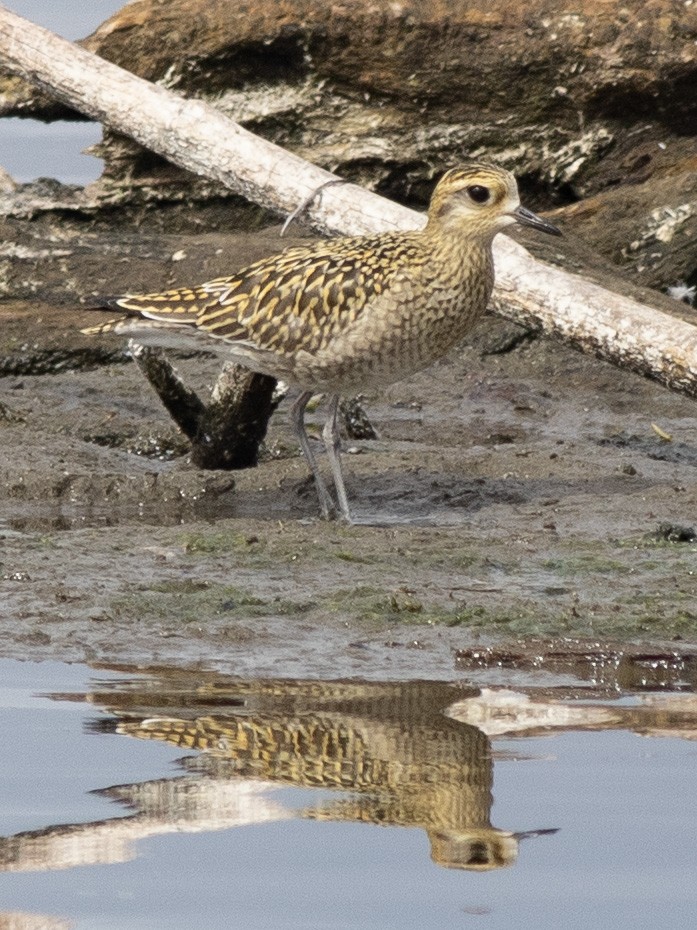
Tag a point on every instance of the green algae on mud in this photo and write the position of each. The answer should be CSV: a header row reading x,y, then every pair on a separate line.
x,y
394,588
198,602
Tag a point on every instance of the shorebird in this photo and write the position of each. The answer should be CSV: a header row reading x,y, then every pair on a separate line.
x,y
348,314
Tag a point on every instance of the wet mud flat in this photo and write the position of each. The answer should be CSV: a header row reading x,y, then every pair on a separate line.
x,y
517,491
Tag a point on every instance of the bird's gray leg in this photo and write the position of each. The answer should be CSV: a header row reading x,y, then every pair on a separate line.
x,y
332,443
297,416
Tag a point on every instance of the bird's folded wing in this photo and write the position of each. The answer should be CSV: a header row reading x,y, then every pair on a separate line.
x,y
282,304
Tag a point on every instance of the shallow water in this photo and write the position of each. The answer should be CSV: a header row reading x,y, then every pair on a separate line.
x,y
31,149
179,799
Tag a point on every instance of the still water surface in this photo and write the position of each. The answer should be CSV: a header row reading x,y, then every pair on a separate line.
x,y
31,149
178,800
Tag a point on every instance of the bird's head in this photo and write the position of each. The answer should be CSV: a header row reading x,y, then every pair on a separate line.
x,y
478,201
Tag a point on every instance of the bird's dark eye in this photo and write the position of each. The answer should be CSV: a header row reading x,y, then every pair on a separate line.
x,y
479,193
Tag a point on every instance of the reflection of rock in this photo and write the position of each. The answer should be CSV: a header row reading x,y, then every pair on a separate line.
x,y
607,669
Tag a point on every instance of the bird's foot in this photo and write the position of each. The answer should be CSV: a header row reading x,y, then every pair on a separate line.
x,y
330,511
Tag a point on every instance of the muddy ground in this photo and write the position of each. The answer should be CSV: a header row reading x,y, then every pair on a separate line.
x,y
518,493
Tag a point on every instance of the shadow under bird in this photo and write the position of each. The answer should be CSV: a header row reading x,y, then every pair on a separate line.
x,y
348,314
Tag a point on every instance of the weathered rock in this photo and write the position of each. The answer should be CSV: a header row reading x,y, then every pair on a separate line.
x,y
546,87
581,100
649,227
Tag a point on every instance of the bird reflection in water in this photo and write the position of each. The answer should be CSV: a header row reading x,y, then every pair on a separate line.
x,y
387,752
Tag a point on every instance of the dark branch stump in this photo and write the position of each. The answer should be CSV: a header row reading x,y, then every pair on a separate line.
x,y
227,432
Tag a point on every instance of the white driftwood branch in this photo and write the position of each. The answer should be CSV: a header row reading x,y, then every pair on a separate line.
x,y
196,136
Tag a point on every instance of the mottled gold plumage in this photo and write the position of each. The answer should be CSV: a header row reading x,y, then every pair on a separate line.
x,y
384,752
351,313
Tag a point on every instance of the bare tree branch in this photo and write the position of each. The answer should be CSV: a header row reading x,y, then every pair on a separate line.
x,y
184,406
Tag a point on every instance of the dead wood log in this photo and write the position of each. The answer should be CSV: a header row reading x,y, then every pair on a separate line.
x,y
197,137
234,423
228,431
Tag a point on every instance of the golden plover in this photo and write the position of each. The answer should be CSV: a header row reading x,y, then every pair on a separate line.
x,y
349,314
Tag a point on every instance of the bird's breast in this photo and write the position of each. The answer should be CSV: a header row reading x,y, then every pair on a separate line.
x,y
402,329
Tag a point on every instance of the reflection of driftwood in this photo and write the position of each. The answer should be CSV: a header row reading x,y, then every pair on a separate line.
x,y
16,920
177,805
196,136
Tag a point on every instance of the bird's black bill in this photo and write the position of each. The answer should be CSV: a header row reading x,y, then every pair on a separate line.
x,y
527,218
